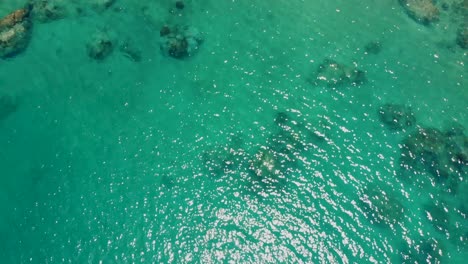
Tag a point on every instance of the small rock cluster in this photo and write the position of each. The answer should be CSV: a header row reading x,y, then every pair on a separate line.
x,y
442,154
180,41
176,41
15,33
428,157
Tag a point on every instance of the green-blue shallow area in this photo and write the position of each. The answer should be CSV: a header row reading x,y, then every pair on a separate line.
x,y
281,132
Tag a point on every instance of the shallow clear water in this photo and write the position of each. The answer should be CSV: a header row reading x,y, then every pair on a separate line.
x,y
154,160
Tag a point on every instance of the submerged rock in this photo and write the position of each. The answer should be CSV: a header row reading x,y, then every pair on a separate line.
x,y
100,46
295,134
180,41
381,208
129,50
267,166
396,116
373,47
180,5
424,251
422,11
220,161
462,37
463,199
333,74
48,10
442,154
8,105
282,118
101,5
437,214
15,33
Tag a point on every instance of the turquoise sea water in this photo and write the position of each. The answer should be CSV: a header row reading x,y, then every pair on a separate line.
x,y
154,159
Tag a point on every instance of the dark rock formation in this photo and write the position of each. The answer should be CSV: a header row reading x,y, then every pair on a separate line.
x,y
100,46
396,116
422,11
15,33
180,41
333,74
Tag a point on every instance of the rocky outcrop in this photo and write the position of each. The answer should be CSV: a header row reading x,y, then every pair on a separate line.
x,y
15,32
422,11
